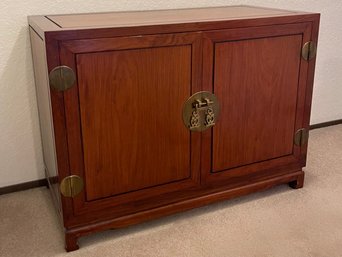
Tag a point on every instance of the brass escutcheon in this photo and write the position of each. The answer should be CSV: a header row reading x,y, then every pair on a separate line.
x,y
200,111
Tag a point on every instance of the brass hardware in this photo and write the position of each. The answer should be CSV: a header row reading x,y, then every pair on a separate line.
x,y
200,111
309,50
62,78
71,186
209,118
301,137
194,120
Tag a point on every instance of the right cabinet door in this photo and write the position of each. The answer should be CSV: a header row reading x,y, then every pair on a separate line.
x,y
260,80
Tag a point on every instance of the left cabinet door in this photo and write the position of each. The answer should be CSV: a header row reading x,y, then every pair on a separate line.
x,y
125,134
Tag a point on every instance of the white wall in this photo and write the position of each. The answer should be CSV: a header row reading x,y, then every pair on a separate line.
x,y
20,146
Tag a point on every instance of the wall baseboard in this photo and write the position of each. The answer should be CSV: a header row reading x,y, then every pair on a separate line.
x,y
326,124
23,186
43,182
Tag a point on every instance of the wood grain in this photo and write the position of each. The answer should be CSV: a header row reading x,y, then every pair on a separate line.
x,y
74,129
40,24
309,86
138,18
113,24
131,103
256,83
60,132
212,38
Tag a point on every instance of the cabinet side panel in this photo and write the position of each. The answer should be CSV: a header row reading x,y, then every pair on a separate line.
x,y
45,115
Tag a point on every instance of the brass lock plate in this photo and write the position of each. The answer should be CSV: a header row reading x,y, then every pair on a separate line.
x,y
71,186
62,78
201,111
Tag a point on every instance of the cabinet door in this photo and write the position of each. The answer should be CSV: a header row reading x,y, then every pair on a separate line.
x,y
259,78
124,123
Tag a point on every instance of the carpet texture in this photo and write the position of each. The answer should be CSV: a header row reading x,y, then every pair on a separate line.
x,y
281,222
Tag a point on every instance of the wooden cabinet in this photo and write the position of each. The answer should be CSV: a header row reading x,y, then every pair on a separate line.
x,y
122,141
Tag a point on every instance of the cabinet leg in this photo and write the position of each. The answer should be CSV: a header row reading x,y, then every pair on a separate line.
x,y
71,242
298,183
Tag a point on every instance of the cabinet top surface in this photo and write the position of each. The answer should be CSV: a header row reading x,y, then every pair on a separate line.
x,y
177,16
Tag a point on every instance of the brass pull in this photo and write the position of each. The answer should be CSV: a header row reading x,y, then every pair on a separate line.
x,y
194,120
200,111
209,118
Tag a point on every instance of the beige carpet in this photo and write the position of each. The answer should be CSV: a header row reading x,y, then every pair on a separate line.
x,y
279,222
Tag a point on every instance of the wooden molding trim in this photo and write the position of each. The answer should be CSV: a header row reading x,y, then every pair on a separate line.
x,y
23,186
326,124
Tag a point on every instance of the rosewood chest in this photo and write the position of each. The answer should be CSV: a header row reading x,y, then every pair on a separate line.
x,y
145,114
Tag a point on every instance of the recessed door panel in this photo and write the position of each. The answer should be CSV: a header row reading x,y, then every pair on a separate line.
x,y
130,103
256,81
